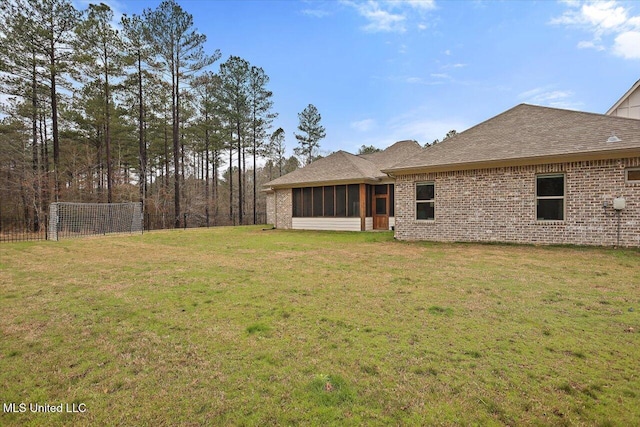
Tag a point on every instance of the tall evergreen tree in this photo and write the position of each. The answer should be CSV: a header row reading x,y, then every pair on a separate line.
x,y
276,150
234,75
313,132
181,51
261,119
207,91
54,23
100,57
21,75
138,55
88,114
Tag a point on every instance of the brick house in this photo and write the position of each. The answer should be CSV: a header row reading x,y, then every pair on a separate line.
x,y
529,175
342,191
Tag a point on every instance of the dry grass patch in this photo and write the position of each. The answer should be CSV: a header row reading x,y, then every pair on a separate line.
x,y
244,327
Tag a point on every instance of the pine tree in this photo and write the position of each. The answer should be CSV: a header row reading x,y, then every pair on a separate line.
x,y
99,54
276,150
138,56
207,89
234,75
261,119
20,66
368,149
309,123
54,23
180,49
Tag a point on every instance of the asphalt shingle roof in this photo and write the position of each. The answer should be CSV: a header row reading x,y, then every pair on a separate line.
x,y
529,133
342,166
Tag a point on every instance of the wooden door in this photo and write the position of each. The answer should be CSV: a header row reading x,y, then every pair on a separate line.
x,y
380,212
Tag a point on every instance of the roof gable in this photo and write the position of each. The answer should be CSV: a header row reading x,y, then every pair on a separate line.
x,y
628,105
526,133
342,166
397,152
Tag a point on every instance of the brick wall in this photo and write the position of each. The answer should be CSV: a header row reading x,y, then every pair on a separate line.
x,y
271,208
500,205
279,208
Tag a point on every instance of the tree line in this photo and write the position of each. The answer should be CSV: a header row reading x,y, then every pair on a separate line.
x,y
94,112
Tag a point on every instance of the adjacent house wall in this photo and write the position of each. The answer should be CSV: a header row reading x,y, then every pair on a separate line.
x,y
500,205
630,107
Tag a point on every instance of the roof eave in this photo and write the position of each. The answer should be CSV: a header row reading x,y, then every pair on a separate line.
x,y
523,161
367,180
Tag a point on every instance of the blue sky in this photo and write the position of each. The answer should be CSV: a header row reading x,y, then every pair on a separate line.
x,y
383,71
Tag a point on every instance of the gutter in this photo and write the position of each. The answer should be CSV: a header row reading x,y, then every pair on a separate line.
x,y
368,180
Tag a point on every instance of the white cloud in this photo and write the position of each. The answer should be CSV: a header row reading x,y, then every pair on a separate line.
x,y
379,18
590,45
605,16
433,79
363,125
383,21
315,13
391,16
413,80
550,97
611,26
599,17
418,124
627,45
416,4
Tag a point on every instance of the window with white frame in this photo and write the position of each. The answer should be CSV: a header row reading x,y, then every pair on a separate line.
x,y
425,200
633,175
550,197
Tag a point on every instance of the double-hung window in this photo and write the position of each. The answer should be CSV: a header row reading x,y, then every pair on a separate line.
x,y
425,200
550,197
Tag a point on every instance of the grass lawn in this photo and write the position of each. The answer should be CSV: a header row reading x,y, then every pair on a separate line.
x,y
240,326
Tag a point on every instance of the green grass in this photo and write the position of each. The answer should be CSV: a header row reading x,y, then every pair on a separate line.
x,y
240,326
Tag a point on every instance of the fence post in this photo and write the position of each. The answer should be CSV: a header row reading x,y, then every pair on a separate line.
x,y
185,220
53,225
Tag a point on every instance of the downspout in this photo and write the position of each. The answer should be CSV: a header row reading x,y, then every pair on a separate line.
x,y
618,229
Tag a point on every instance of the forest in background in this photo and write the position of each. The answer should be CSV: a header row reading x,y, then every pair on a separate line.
x,y
95,113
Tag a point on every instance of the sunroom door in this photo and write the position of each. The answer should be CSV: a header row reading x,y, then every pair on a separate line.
x,y
380,212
